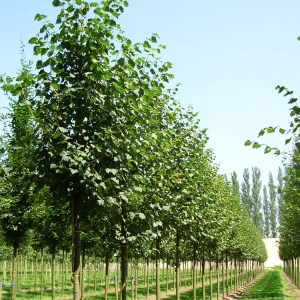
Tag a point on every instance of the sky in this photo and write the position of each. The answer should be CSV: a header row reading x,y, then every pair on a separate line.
x,y
228,57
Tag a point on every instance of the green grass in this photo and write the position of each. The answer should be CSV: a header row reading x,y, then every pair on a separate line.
x,y
270,286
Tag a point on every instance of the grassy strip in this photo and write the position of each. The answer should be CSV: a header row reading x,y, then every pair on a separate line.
x,y
270,286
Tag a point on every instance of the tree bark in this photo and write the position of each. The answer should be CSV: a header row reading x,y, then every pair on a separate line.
x,y
124,251
157,267
75,202
177,265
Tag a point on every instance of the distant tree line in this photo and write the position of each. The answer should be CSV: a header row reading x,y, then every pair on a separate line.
x,y
262,202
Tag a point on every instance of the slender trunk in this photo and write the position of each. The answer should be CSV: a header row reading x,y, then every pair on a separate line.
x,y
157,267
210,279
63,270
177,265
147,279
4,269
194,273
136,278
226,272
95,273
106,275
13,273
124,251
53,275
218,277
167,275
42,274
116,287
35,270
82,275
75,202
203,275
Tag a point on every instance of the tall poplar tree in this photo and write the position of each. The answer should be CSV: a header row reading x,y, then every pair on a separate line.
x,y
280,188
235,185
256,199
266,212
273,208
246,192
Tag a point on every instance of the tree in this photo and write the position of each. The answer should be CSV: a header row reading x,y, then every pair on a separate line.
x,y
235,185
246,192
279,193
256,199
16,148
273,207
266,210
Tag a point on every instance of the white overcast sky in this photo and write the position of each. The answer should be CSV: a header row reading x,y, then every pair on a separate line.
x,y
228,56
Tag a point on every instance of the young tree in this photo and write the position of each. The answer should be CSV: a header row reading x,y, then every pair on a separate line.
x,y
99,103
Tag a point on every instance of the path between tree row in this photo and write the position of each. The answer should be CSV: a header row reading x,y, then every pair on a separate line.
x,y
273,285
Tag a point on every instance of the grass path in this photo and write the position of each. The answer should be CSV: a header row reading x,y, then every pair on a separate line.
x,y
270,287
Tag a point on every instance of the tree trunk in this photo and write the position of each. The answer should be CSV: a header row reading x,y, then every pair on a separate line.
x,y
106,275
210,279
194,273
203,274
53,275
82,274
63,270
13,273
177,265
76,246
167,275
124,251
218,277
42,274
157,267
147,279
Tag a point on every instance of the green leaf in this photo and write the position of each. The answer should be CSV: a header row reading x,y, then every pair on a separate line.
x,y
73,171
126,3
256,145
270,129
142,216
248,143
63,130
138,189
52,166
287,141
25,102
33,40
153,39
37,50
293,100
39,17
56,3
39,64
55,86
78,2
113,171
267,150
282,131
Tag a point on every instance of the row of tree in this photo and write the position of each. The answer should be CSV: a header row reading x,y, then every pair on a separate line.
x,y
262,202
97,156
